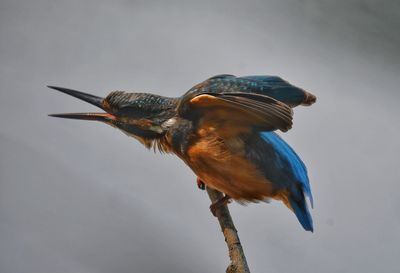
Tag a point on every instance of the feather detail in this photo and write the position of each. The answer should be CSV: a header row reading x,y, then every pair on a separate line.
x,y
245,110
271,86
302,213
287,154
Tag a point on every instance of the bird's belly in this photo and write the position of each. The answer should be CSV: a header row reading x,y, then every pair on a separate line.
x,y
227,170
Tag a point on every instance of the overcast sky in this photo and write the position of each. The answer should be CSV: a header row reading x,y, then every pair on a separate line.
x,y
82,197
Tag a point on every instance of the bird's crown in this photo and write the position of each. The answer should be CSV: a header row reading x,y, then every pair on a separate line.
x,y
120,101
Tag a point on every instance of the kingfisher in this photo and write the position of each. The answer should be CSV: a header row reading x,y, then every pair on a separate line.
x,y
224,129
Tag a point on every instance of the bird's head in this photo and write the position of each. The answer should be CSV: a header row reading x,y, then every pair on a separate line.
x,y
143,116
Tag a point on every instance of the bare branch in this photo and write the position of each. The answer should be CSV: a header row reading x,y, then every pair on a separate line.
x,y
238,260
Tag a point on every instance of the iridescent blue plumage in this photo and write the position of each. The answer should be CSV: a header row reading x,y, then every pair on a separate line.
x,y
288,155
286,160
277,88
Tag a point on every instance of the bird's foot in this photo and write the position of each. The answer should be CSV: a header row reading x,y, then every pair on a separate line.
x,y
200,184
220,203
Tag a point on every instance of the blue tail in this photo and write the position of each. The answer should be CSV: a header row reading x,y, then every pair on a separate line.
x,y
301,210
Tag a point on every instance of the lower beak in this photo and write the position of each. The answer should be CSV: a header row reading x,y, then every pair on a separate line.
x,y
86,116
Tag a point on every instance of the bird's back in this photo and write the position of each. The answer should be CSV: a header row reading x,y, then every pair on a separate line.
x,y
272,86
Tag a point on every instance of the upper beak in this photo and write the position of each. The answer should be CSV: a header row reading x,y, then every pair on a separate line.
x,y
94,100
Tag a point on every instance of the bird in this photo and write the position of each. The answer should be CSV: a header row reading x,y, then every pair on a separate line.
x,y
224,129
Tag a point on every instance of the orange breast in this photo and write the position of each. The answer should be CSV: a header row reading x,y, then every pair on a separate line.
x,y
222,166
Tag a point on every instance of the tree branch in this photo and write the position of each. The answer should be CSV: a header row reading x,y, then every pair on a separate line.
x,y
238,260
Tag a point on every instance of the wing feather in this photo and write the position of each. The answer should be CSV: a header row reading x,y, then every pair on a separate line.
x,y
247,110
271,86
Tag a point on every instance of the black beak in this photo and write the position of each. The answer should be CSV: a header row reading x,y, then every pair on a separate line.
x,y
94,100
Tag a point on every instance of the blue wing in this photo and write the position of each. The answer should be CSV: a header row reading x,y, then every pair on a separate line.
x,y
286,171
287,157
272,86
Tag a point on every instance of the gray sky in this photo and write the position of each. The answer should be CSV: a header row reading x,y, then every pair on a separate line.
x,y
83,197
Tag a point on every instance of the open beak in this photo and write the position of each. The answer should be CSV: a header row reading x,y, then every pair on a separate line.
x,y
94,100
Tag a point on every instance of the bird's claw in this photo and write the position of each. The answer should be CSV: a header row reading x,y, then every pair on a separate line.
x,y
219,204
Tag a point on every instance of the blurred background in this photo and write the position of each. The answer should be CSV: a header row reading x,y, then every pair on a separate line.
x,y
80,196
